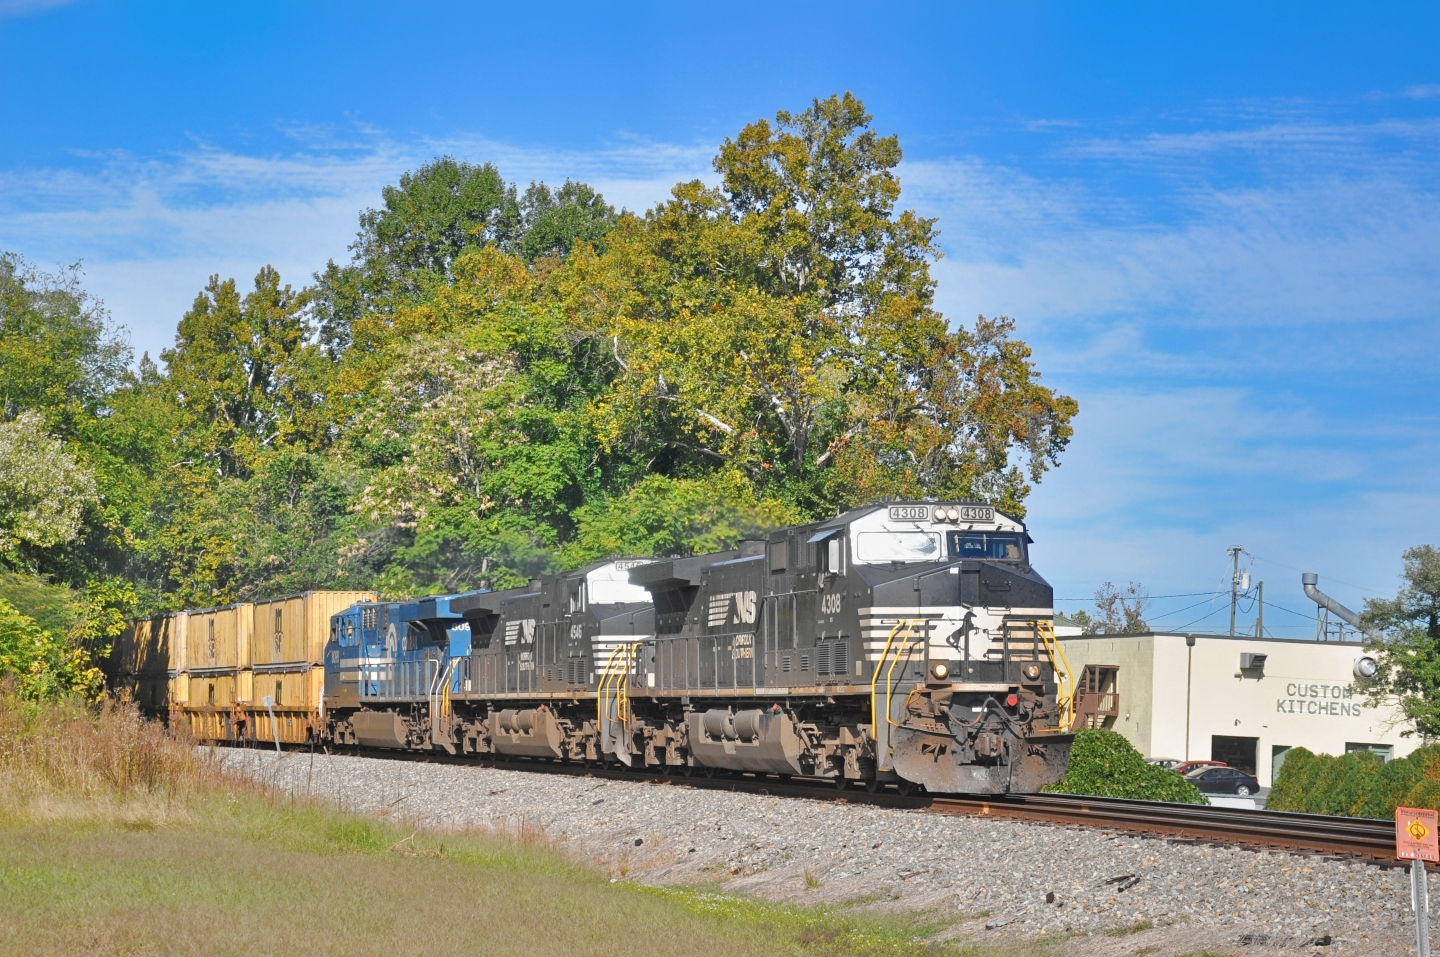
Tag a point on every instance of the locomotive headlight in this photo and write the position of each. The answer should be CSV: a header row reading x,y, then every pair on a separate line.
x,y
1032,672
952,514
940,514
940,669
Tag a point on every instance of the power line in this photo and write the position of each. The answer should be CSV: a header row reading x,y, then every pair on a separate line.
x,y
1152,597
1175,612
1201,618
1364,588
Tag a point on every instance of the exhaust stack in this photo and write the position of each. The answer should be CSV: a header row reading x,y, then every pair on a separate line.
x,y
1309,580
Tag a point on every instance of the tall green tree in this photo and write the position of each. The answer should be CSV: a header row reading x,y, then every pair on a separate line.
x,y
242,371
60,356
409,246
782,324
1409,651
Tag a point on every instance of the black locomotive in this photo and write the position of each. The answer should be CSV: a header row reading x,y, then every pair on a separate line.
x,y
905,643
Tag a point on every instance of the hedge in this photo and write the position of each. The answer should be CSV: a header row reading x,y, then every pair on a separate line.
x,y
1104,764
1356,785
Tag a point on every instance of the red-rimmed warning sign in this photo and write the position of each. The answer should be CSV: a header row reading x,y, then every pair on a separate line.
x,y
1416,837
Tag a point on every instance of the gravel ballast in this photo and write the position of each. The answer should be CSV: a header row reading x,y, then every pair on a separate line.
x,y
997,879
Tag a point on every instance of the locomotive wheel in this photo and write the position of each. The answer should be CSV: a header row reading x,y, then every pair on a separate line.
x,y
907,788
872,785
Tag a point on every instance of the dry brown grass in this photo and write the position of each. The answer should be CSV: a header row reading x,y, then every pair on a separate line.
x,y
67,760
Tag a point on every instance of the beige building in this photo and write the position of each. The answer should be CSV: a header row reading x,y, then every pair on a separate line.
x,y
1244,701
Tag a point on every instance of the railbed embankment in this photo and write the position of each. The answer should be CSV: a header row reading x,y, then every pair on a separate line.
x,y
1008,877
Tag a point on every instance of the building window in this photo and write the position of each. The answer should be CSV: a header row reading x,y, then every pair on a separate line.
x,y
1384,751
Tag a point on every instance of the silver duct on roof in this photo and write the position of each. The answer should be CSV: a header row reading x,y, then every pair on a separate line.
x,y
1309,580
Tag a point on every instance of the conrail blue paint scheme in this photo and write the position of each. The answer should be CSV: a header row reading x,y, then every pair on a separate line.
x,y
390,669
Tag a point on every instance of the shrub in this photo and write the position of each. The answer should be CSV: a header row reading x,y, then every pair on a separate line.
x,y
1356,785
1104,764
1294,786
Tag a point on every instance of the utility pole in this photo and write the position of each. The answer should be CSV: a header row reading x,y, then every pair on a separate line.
x,y
1260,611
1234,551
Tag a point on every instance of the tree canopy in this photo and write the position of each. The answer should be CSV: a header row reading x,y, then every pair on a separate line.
x,y
498,382
1409,649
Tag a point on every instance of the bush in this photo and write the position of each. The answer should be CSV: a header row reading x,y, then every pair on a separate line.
x,y
1104,764
1356,785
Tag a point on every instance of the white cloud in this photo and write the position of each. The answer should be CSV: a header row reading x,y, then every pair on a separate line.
x,y
152,230
19,8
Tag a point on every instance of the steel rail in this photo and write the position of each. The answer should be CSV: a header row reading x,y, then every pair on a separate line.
x,y
1367,839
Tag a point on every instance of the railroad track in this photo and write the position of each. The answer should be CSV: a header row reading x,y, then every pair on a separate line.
x,y
1365,839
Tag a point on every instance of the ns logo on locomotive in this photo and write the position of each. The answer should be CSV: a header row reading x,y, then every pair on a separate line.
x,y
907,644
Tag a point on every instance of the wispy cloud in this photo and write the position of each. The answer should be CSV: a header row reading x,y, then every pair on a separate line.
x,y
151,229
19,8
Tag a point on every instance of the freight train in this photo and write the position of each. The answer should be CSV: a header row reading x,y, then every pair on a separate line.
x,y
903,644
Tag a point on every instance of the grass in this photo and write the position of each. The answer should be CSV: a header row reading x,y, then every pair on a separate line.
x,y
1128,929
118,839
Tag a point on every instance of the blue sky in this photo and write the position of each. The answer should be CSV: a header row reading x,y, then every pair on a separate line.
x,y
1218,227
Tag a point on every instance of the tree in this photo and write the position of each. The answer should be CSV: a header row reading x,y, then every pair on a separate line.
x,y
1117,612
43,490
782,325
408,248
553,222
1409,650
59,354
240,371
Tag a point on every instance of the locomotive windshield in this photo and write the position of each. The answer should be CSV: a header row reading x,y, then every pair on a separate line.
x,y
986,545
897,547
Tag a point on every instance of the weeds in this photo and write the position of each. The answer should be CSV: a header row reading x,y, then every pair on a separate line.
x,y
811,881
1128,929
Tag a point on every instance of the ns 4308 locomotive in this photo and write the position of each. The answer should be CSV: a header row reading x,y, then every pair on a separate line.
x,y
906,644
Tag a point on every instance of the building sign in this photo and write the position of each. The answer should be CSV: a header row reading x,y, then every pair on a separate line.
x,y
1319,699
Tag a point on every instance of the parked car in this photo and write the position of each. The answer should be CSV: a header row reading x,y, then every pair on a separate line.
x,y
1188,766
1223,780
1169,764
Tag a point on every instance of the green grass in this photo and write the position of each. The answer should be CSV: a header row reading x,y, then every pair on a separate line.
x,y
116,839
248,874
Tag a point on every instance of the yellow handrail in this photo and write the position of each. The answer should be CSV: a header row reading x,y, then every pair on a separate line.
x,y
1064,679
907,626
612,678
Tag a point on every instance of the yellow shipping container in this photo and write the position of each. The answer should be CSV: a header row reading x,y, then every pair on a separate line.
x,y
293,630
179,690
209,692
147,646
217,638
291,690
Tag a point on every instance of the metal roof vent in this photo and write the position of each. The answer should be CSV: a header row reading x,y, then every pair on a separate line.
x,y
1252,661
